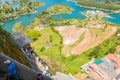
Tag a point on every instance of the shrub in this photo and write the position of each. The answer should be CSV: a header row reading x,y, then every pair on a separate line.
x,y
33,34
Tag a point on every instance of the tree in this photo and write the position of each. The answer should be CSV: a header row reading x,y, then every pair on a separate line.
x,y
106,25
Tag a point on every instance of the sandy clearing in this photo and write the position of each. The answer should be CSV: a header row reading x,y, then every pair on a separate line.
x,y
84,44
70,34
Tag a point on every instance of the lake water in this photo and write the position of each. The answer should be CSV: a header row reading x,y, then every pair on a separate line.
x,y
28,18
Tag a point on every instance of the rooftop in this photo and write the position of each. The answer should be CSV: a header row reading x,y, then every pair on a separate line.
x,y
107,68
20,39
108,64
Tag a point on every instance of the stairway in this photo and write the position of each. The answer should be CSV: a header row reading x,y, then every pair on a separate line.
x,y
61,76
26,73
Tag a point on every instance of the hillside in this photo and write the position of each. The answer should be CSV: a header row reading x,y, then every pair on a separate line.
x,y
65,45
65,35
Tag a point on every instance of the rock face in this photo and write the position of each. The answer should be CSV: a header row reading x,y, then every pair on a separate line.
x,y
9,48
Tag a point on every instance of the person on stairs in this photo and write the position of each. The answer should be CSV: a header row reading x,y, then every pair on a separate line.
x,y
40,77
11,70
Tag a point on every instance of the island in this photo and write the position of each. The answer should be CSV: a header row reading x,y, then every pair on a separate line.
x,y
59,9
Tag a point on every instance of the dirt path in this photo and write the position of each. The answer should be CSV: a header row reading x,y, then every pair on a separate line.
x,y
114,29
84,44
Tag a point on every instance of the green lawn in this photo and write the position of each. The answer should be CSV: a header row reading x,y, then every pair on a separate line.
x,y
48,47
73,63
49,41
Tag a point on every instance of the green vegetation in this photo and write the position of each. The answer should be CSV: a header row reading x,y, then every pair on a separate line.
x,y
7,12
59,9
48,47
33,34
48,43
108,46
9,48
104,5
98,34
45,18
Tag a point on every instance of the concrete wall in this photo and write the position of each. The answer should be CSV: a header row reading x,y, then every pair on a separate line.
x,y
23,72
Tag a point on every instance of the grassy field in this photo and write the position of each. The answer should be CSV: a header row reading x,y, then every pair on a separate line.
x,y
52,54
98,34
48,47
48,43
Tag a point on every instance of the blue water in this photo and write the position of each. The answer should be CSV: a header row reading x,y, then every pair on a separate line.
x,y
98,62
28,18
16,5
3,2
98,1
115,18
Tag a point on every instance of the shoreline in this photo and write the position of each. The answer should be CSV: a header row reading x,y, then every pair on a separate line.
x,y
98,8
16,17
93,7
102,15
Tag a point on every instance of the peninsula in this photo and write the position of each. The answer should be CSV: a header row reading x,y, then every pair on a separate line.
x,y
100,4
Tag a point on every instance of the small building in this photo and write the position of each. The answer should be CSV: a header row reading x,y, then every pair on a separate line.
x,y
107,68
94,13
118,35
21,39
